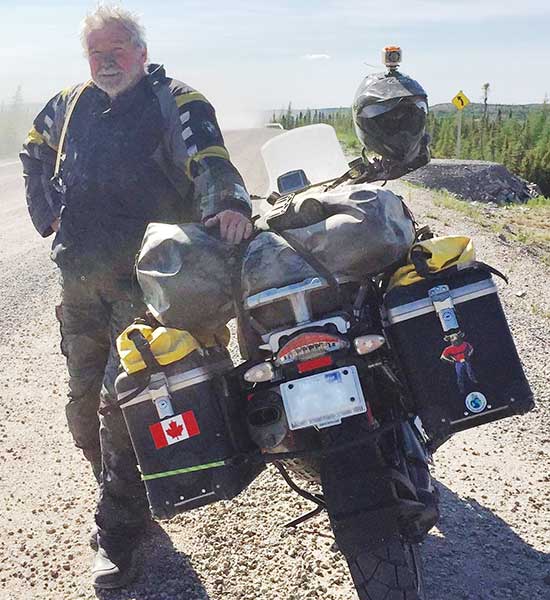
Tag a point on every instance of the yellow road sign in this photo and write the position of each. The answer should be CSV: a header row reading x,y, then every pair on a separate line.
x,y
460,100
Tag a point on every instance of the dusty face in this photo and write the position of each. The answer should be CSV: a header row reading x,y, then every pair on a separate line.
x,y
116,64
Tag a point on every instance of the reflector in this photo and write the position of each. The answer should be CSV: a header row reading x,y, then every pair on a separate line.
x,y
314,363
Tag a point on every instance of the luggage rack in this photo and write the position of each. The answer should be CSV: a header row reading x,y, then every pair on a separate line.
x,y
298,296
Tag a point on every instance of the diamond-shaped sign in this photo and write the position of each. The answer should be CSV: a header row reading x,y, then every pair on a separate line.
x,y
460,100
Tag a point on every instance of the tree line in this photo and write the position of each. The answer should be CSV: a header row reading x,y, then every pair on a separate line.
x,y
15,122
519,141
339,118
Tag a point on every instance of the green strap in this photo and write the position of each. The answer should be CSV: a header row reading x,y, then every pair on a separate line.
x,y
211,465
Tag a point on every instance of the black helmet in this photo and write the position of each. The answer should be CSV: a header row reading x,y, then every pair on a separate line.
x,y
389,112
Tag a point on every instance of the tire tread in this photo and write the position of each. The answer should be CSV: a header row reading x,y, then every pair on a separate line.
x,y
384,574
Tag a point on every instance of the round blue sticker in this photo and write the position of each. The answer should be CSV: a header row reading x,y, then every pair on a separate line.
x,y
476,402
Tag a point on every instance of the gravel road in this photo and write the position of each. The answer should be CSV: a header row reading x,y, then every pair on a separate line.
x,y
492,542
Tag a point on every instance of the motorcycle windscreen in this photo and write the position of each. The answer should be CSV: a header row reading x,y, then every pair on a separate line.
x,y
313,149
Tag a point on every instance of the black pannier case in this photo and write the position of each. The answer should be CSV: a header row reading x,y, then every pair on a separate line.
x,y
456,351
188,433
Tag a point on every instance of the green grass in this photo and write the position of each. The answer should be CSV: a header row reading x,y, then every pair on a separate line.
x,y
446,200
538,201
349,140
527,224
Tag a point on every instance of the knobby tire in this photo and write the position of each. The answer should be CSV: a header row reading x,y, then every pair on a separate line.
x,y
391,572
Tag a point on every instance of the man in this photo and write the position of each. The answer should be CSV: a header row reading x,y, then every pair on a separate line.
x,y
136,147
459,353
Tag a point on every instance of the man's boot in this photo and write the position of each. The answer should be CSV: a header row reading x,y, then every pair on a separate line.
x,y
92,536
114,569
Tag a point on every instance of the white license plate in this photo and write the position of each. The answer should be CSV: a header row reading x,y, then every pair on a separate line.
x,y
324,399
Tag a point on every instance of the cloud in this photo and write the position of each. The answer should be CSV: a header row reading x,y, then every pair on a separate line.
x,y
316,56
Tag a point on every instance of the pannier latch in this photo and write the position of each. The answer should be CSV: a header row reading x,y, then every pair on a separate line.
x,y
444,307
158,388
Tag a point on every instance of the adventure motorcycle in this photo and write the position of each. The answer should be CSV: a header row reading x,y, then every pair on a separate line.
x,y
349,383
325,401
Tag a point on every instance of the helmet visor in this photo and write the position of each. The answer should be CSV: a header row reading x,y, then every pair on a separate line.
x,y
407,117
371,111
395,133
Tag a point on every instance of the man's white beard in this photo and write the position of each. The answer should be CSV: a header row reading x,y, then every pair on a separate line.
x,y
114,81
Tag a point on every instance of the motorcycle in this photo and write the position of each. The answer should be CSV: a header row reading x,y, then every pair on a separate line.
x,y
346,387
326,402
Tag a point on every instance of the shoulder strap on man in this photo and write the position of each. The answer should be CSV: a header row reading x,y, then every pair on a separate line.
x,y
68,115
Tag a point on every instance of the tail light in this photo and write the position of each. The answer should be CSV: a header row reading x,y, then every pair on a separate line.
x,y
315,363
308,346
368,343
259,373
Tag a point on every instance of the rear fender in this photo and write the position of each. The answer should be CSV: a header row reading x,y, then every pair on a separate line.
x,y
360,494
370,501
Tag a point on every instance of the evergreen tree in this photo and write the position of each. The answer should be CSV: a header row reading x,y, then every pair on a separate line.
x,y
13,125
521,141
17,101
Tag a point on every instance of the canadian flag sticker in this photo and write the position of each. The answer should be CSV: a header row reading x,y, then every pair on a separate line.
x,y
174,429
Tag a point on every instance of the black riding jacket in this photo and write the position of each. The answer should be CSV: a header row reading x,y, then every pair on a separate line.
x,y
153,154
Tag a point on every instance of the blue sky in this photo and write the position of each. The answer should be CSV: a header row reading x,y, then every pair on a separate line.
x,y
249,56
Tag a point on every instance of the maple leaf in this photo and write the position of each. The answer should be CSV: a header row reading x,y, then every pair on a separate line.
x,y
174,430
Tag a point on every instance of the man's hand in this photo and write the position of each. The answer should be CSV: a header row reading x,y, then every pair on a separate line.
x,y
234,226
55,225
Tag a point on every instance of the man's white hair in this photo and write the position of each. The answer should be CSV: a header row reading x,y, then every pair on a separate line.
x,y
105,14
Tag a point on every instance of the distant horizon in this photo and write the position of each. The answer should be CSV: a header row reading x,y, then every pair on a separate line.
x,y
36,104
431,106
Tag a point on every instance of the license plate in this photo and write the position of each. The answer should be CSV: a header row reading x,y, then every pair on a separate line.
x,y
324,399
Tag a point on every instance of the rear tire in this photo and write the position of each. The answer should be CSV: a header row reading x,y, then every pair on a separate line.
x,y
391,572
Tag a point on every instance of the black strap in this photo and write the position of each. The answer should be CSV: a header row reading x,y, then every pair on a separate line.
x,y
423,233
301,251
409,214
152,365
144,349
485,267
243,319
313,261
419,259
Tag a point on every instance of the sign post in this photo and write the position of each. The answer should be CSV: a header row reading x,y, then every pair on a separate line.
x,y
461,102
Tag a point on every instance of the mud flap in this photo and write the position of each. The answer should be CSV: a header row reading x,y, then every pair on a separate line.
x,y
369,502
361,499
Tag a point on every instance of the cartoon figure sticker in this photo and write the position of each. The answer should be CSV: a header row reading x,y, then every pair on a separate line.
x,y
476,402
459,352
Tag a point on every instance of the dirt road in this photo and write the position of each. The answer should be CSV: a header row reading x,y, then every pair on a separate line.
x,y
492,542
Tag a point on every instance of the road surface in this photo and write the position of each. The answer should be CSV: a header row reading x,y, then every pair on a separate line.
x,y
492,542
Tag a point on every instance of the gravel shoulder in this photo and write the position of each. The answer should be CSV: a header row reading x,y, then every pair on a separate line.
x,y
493,541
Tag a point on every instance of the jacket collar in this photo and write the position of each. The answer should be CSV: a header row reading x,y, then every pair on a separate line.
x,y
154,75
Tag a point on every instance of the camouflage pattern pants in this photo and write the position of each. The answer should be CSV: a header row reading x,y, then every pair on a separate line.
x,y
93,312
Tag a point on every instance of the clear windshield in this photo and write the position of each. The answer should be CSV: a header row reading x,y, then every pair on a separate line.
x,y
314,149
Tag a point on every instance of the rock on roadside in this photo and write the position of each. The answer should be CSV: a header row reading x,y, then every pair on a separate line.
x,y
474,180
